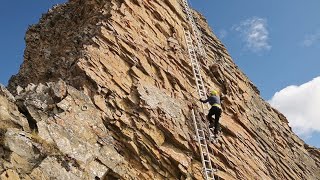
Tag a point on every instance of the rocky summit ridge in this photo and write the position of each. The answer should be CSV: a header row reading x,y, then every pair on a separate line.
x,y
106,91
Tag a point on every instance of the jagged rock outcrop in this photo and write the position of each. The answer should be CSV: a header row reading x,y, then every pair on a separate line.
x,y
106,90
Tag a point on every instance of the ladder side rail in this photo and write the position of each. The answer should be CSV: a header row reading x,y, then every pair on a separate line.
x,y
205,157
195,68
208,170
198,68
196,71
193,62
197,133
195,29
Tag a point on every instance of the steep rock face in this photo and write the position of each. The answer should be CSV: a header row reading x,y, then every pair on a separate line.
x,y
106,90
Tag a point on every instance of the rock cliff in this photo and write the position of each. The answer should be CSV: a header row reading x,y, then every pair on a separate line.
x,y
106,91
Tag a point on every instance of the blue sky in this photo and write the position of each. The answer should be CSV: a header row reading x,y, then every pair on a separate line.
x,y
288,23
275,43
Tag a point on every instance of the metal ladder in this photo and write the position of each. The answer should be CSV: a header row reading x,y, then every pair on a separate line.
x,y
198,124
195,29
205,155
193,57
195,67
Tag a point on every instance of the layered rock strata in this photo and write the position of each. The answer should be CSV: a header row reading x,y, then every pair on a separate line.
x,y
106,91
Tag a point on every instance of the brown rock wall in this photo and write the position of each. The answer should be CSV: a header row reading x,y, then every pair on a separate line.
x,y
112,94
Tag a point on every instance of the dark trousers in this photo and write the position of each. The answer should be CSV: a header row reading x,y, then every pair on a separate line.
x,y
216,111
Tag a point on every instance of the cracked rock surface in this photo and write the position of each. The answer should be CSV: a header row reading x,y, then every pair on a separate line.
x,y
106,91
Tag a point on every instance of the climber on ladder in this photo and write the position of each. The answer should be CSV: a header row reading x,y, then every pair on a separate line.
x,y
214,101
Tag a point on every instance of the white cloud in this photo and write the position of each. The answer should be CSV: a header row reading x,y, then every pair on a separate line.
x,y
255,33
222,33
301,105
311,39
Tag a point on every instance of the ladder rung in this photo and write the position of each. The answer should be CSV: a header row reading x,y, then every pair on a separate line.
x,y
197,79
201,138
194,54
203,145
196,69
206,154
208,169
